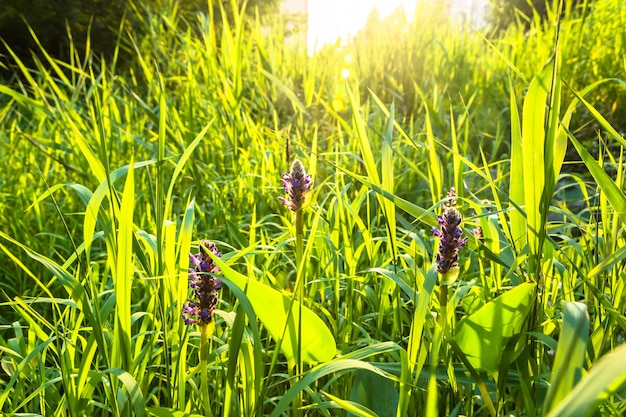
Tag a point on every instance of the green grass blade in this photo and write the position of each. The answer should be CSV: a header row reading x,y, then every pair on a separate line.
x,y
136,397
533,155
613,194
604,378
339,365
123,277
483,335
375,392
272,309
570,354
516,187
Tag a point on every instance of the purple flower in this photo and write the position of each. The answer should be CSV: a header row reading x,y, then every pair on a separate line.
x,y
297,184
450,236
204,283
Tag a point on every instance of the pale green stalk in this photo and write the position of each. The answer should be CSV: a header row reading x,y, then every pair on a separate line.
x,y
205,333
300,286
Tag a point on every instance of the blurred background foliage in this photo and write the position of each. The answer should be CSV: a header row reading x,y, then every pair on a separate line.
x,y
60,25
504,13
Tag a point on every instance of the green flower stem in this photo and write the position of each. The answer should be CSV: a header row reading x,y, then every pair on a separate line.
x,y
205,332
299,292
443,305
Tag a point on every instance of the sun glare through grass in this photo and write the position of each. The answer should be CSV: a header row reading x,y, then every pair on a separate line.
x,y
330,21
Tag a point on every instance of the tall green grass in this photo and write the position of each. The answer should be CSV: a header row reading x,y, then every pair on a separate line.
x,y
113,176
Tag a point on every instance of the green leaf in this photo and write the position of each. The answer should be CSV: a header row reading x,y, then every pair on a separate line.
x,y
483,335
180,165
606,376
611,191
354,409
516,188
169,412
123,276
374,392
570,353
335,366
533,153
134,392
272,309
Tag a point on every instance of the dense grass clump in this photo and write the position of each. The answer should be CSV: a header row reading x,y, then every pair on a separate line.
x,y
451,241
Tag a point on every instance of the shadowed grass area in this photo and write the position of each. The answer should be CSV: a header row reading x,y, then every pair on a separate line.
x,y
112,177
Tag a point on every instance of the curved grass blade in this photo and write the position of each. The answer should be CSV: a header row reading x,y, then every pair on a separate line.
x,y
613,194
604,378
570,353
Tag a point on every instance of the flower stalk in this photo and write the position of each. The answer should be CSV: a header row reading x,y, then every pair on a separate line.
x,y
297,185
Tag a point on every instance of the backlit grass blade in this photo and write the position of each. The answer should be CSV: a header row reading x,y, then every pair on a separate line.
x,y
353,408
516,185
603,122
570,354
336,366
483,335
180,165
25,362
93,213
426,216
74,288
363,140
272,309
604,378
413,367
123,277
169,412
388,181
533,155
135,396
613,194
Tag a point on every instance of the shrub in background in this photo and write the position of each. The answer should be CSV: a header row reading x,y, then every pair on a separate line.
x,y
100,20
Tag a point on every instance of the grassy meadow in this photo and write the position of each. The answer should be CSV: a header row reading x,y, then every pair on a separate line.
x,y
114,172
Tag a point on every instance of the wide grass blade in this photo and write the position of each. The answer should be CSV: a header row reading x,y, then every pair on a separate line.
x,y
484,335
570,354
272,309
123,277
533,155
336,366
604,378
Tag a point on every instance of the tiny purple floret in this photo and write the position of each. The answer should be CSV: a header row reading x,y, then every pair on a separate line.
x,y
204,283
450,236
297,183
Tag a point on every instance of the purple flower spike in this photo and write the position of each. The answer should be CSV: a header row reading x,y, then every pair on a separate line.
x,y
297,183
450,237
204,283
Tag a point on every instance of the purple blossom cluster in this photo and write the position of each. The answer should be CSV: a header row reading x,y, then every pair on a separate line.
x,y
297,184
205,285
450,234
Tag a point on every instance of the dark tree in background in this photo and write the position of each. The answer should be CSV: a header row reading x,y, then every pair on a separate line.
x,y
51,20
503,13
